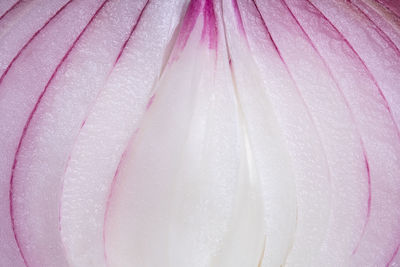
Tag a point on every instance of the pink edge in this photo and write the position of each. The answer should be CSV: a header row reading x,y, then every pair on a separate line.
x,y
108,204
294,82
270,37
367,217
378,29
120,54
352,117
386,105
10,9
28,122
110,193
31,39
393,256
385,102
131,33
150,101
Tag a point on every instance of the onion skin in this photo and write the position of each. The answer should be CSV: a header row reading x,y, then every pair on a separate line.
x,y
199,133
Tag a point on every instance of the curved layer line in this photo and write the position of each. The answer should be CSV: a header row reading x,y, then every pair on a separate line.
x,y
290,75
386,38
352,117
378,29
381,16
31,39
385,102
388,6
10,9
131,33
120,54
238,17
148,105
117,59
27,125
112,187
393,256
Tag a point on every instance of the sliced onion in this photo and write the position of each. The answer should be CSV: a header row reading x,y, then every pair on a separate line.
x,y
199,133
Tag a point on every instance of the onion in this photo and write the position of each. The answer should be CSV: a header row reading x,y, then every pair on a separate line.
x,y
199,133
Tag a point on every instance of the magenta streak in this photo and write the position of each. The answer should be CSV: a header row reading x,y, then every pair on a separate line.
x,y
296,86
238,17
351,114
31,39
210,28
188,23
10,9
378,29
27,125
393,256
